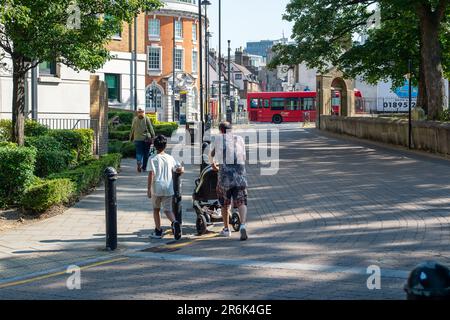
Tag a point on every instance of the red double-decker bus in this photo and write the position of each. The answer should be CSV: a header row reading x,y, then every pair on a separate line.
x,y
278,107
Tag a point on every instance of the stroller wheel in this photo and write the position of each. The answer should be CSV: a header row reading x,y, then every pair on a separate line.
x,y
201,225
236,221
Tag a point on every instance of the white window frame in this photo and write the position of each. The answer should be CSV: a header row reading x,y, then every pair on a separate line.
x,y
194,34
195,63
154,36
180,23
150,70
182,58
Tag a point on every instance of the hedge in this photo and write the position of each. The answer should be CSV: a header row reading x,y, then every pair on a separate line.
x,y
79,140
89,176
44,194
128,150
163,128
51,156
32,129
16,172
123,127
119,135
124,117
4,144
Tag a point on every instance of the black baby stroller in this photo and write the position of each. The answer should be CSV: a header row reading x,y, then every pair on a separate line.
x,y
206,202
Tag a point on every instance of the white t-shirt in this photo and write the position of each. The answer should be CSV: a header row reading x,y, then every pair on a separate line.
x,y
163,166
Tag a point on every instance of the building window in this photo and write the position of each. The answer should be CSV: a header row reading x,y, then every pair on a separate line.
x,y
113,84
178,59
238,76
47,68
154,28
194,61
117,29
194,32
178,29
154,58
153,98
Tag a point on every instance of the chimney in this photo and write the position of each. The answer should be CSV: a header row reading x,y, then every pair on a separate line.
x,y
238,56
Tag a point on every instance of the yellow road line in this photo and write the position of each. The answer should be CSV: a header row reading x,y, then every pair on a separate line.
x,y
188,243
56,274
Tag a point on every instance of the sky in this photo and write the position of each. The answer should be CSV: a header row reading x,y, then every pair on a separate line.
x,y
248,20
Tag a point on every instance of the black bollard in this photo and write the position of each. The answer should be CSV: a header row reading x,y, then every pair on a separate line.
x,y
111,208
177,198
428,281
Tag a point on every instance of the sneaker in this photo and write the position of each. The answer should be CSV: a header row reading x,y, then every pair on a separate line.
x,y
225,233
176,229
244,235
157,234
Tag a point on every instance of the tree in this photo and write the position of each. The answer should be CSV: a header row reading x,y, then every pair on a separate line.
x,y
409,29
74,33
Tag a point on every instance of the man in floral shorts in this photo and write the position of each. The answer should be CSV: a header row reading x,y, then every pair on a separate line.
x,y
228,153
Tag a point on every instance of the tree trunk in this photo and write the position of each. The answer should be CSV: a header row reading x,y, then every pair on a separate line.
x,y
422,95
431,54
18,103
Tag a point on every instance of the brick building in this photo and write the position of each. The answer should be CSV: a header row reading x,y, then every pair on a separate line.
x,y
173,99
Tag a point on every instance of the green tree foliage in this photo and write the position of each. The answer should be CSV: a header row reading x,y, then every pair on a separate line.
x,y
71,32
325,33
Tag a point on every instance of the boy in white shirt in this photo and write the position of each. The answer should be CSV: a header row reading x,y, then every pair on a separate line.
x,y
160,187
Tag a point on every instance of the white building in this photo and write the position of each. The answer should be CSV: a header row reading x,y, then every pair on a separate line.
x,y
62,92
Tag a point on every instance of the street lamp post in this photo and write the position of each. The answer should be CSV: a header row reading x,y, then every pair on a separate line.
x,y
410,104
229,69
202,116
220,60
206,3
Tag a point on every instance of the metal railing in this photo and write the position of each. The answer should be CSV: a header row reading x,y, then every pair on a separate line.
x,y
68,124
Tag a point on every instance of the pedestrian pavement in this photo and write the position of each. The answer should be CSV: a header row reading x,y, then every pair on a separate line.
x,y
78,235
336,207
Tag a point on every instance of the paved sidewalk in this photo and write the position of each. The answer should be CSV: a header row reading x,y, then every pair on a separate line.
x,y
335,208
78,235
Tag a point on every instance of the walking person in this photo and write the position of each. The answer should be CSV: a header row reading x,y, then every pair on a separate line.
x,y
160,187
228,158
142,134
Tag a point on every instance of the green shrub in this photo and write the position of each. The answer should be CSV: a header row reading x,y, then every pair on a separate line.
x,y
89,176
32,129
165,128
114,146
81,141
8,144
123,127
51,156
44,194
16,172
124,117
5,130
111,160
128,150
119,135
84,177
35,129
445,115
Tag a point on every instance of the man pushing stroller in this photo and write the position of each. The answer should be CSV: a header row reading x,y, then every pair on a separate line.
x,y
228,157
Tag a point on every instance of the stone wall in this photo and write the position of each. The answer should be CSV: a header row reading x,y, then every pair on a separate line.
x,y
427,135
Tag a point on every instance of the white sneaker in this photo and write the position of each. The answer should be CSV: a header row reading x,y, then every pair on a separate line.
x,y
225,233
244,236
